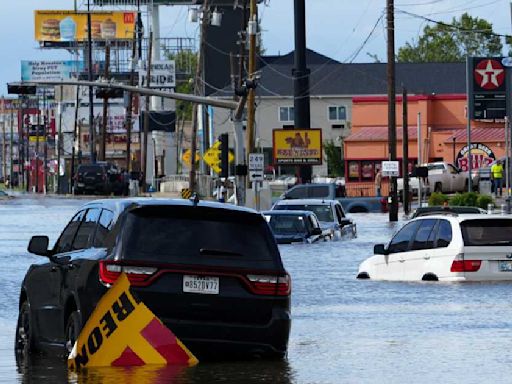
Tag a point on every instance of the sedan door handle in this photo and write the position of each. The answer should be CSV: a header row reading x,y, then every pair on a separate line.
x,y
54,268
401,260
426,257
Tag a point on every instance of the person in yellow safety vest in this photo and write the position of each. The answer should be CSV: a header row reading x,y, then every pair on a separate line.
x,y
497,177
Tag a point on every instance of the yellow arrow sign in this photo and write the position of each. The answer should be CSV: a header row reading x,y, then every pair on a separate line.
x,y
212,157
187,157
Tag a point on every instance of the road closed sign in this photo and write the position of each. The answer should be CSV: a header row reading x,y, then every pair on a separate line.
x,y
163,74
391,168
122,331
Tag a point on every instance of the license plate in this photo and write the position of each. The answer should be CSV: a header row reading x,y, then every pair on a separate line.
x,y
505,266
81,184
201,284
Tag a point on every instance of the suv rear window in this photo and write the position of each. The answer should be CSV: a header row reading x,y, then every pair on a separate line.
x,y
487,232
196,235
90,168
322,212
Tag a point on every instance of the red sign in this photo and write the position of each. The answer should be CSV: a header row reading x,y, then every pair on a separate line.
x,y
489,74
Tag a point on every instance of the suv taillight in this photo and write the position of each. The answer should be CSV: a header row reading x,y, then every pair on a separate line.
x,y
465,265
270,284
138,276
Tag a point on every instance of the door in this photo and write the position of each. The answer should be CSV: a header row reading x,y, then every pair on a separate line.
x,y
441,256
456,179
419,255
44,287
391,266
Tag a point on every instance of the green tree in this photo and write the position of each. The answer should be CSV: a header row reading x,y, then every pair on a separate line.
x,y
334,158
452,42
186,62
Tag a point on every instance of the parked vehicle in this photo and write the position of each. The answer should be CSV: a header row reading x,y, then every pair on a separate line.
x,y
211,272
333,191
295,227
446,247
100,178
330,214
442,177
438,209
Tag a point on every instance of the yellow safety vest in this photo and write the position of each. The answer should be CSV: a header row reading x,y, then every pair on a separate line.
x,y
497,171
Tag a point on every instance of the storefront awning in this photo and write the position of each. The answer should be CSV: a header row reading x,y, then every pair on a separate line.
x,y
379,134
481,135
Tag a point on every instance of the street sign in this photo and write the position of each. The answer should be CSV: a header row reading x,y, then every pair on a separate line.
x,y
212,157
390,168
187,157
256,165
163,74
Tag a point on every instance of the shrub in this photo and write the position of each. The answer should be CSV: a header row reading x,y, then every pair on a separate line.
x,y
483,200
457,200
437,198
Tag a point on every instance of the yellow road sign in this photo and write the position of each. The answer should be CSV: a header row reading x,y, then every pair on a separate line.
x,y
187,157
122,331
186,193
212,157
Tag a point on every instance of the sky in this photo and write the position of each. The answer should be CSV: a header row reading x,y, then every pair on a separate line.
x,y
340,29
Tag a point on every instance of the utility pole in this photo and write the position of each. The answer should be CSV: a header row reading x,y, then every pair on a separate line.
x,y
197,87
46,120
75,137
144,159
36,189
103,142
302,119
405,150
393,209
11,157
251,108
59,141
92,142
129,107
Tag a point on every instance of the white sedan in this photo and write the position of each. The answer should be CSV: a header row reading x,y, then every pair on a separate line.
x,y
445,248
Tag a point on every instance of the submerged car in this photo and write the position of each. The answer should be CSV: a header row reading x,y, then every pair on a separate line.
x,y
445,248
437,209
211,272
295,226
330,214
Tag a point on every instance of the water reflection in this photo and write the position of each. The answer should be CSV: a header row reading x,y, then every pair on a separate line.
x,y
48,369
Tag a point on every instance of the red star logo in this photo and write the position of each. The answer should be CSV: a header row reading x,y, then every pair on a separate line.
x,y
489,74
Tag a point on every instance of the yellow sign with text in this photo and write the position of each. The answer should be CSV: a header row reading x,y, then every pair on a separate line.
x,y
66,26
297,146
122,331
212,157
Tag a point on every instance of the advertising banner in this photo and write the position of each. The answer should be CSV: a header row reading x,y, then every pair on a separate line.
x,y
60,26
50,70
297,146
480,154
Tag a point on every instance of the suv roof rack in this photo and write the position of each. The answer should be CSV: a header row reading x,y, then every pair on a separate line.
x,y
445,211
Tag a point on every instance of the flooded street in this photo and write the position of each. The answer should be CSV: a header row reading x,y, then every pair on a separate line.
x,y
343,330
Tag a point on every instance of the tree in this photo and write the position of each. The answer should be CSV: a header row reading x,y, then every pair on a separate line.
x,y
452,42
185,70
334,157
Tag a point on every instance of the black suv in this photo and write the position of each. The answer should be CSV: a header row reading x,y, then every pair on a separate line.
x,y
99,178
211,272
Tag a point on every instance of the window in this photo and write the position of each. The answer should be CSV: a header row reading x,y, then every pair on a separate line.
x,y
68,235
317,192
286,114
298,192
425,236
337,113
444,234
353,170
496,232
86,231
103,228
400,243
367,170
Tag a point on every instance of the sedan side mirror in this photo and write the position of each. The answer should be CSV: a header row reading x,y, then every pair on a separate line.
x,y
317,231
380,249
39,245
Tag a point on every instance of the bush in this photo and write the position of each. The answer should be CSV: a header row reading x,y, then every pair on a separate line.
x,y
437,198
483,200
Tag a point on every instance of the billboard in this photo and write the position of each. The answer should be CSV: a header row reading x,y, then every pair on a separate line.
x,y
69,26
50,70
297,146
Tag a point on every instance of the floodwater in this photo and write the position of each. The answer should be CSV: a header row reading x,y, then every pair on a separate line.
x,y
343,330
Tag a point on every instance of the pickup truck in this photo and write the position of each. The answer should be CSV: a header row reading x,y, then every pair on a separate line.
x,y
331,191
442,177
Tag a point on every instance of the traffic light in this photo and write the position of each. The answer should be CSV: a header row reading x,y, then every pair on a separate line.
x,y
224,155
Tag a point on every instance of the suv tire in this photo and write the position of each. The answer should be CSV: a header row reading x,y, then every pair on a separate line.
x,y
73,328
24,340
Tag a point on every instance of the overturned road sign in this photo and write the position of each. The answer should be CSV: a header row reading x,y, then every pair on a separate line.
x,y
123,332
